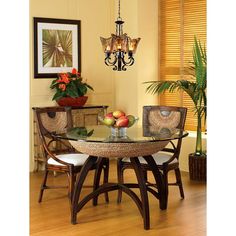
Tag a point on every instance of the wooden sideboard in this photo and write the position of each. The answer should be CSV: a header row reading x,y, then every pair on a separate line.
x,y
82,116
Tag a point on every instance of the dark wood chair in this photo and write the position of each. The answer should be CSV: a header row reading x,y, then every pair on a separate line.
x,y
59,155
159,118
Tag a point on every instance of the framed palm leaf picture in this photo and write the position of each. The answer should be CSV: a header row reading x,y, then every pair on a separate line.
x,y
57,46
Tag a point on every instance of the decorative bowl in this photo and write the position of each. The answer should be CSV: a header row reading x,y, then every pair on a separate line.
x,y
72,102
118,122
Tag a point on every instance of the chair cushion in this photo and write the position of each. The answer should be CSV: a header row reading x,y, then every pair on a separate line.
x,y
159,158
76,159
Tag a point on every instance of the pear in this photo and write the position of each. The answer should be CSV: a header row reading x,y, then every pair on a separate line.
x,y
109,121
131,120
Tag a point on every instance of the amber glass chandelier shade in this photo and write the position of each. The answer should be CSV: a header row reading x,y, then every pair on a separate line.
x,y
106,44
133,44
122,43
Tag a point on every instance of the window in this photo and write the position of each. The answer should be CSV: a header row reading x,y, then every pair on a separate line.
x,y
179,21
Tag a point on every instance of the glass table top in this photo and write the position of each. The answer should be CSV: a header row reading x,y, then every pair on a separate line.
x,y
101,133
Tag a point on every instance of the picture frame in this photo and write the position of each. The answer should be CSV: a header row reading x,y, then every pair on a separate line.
x,y
57,46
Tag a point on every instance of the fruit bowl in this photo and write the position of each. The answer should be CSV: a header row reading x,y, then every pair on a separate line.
x,y
118,121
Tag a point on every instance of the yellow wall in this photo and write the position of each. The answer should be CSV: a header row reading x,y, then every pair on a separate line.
x,y
140,21
96,21
119,90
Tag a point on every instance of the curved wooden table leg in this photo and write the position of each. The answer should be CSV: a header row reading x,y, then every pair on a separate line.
x,y
97,177
107,187
143,191
162,185
78,185
106,176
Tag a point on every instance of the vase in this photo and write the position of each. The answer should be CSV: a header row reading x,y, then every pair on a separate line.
x,y
72,102
197,167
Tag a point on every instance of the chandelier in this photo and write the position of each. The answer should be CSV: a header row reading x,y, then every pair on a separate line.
x,y
119,48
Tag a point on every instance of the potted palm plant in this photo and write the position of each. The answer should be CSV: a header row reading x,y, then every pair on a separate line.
x,y
196,89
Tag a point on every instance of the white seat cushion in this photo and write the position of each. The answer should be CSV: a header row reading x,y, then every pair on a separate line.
x,y
76,159
159,158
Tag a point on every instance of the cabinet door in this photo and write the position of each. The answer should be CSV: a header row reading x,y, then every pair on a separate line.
x,y
83,117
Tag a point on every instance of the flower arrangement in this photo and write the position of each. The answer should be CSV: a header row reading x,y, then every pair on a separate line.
x,y
69,84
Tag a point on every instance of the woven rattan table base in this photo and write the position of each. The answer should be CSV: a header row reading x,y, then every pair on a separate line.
x,y
111,150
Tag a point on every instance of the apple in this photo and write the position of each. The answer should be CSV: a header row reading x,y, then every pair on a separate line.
x,y
117,114
109,115
123,121
131,120
109,121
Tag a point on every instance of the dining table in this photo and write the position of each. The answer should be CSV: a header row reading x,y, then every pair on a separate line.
x,y
101,142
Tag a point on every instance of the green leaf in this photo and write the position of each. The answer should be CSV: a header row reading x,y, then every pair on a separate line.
x,y
88,86
90,133
82,90
57,95
53,84
71,92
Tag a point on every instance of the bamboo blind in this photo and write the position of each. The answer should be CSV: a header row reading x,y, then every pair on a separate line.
x,y
179,21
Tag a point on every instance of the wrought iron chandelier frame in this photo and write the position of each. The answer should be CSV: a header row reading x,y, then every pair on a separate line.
x,y
119,48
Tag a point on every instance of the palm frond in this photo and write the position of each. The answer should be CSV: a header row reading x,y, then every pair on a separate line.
x,y
200,63
195,88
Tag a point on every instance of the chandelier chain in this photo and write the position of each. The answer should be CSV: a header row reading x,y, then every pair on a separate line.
x,y
119,10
